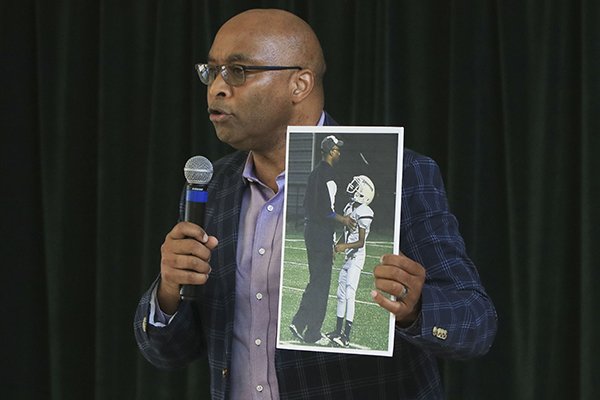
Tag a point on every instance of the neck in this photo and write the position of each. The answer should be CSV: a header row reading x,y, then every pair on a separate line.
x,y
268,166
309,116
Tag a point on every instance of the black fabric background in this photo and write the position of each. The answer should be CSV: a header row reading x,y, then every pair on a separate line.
x,y
100,108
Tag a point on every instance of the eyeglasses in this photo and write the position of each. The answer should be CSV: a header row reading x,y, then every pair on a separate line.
x,y
232,74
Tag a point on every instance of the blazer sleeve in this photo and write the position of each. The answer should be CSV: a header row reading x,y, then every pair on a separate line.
x,y
458,319
174,345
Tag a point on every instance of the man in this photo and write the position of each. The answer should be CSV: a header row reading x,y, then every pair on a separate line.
x,y
362,190
264,72
320,219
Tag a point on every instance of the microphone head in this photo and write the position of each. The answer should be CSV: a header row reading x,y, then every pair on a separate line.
x,y
198,170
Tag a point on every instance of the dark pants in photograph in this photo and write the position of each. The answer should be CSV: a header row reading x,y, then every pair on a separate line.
x,y
319,248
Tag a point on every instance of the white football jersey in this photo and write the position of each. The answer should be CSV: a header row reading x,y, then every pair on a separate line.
x,y
363,215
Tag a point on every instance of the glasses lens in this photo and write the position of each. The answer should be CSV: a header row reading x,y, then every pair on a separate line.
x,y
234,75
205,73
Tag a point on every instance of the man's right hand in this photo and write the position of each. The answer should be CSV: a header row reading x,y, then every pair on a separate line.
x,y
348,222
185,256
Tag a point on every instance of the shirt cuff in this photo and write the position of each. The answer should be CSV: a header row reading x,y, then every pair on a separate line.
x,y
157,317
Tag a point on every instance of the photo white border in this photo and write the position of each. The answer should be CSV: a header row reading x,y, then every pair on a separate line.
x,y
344,130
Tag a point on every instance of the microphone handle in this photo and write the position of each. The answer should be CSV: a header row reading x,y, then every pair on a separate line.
x,y
196,197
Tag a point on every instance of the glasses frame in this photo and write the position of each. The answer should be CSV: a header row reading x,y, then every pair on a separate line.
x,y
226,75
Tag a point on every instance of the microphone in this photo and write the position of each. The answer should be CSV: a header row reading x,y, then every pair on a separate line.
x,y
198,172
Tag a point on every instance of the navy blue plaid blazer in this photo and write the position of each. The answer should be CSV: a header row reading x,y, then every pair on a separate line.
x,y
457,320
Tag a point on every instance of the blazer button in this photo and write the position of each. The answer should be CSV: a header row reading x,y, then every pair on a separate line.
x,y
440,333
225,372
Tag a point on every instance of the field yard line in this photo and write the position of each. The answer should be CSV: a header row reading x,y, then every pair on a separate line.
x,y
374,242
295,248
334,268
380,244
331,296
368,255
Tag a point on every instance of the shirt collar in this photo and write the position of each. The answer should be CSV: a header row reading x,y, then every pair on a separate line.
x,y
322,119
249,174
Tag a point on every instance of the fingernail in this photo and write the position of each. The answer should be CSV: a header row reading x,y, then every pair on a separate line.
x,y
205,238
373,293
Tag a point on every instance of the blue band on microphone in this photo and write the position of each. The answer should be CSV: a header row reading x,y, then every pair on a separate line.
x,y
197,196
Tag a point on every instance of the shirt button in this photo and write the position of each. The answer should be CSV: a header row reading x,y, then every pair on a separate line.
x,y
259,296
257,342
259,388
261,251
270,208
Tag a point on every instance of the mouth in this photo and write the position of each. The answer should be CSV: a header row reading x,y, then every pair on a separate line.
x,y
217,114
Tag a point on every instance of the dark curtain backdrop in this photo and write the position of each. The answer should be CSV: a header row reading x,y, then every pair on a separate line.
x,y
101,107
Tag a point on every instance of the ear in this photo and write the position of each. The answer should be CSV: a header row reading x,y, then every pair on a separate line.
x,y
302,85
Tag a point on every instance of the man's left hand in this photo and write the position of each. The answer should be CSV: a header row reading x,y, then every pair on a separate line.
x,y
403,278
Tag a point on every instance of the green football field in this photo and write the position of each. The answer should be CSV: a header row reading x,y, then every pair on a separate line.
x,y
370,330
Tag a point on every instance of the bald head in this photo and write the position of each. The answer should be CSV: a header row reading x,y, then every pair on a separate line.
x,y
253,114
283,36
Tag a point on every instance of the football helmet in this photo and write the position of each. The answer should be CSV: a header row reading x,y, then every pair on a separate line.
x,y
361,189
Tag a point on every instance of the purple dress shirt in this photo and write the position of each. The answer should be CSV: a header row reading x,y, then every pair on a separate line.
x,y
257,289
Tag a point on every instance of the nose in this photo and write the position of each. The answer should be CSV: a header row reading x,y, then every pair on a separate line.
x,y
219,88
